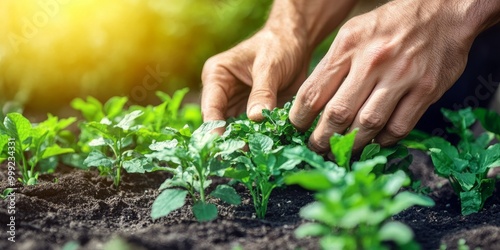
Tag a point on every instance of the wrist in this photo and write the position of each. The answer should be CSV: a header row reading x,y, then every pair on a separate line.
x,y
312,20
473,16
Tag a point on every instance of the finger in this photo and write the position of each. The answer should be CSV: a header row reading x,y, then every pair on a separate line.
x,y
341,110
215,92
404,118
316,91
264,90
375,112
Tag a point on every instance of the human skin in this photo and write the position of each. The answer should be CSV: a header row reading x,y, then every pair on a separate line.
x,y
384,69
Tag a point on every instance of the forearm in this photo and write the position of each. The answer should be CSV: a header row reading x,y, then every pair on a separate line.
x,y
483,14
313,19
468,17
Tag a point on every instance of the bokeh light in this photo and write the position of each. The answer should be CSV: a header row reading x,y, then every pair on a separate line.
x,y
52,51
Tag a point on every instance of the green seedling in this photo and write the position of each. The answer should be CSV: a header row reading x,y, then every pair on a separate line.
x,y
466,165
28,145
262,168
197,156
353,209
118,137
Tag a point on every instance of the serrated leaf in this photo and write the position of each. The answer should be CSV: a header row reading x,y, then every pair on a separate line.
x,y
168,201
227,194
204,211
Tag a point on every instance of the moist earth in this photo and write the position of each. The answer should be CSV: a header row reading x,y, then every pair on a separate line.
x,y
80,208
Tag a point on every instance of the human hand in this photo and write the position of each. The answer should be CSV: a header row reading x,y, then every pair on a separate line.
x,y
384,69
267,69
250,76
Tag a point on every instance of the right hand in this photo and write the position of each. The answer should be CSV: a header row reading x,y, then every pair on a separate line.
x,y
259,73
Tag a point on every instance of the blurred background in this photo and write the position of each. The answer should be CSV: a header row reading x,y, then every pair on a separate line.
x,y
52,51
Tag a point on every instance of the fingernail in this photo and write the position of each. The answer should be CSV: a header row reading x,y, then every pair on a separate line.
x,y
256,111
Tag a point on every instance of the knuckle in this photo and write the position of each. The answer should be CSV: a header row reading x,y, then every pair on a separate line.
x,y
371,120
348,36
310,99
398,131
263,93
338,115
378,54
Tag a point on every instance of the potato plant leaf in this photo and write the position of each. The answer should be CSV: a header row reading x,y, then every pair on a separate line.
x,y
168,201
227,194
204,211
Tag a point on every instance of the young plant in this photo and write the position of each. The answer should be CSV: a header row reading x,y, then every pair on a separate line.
x,y
31,144
262,168
466,165
118,137
275,125
197,156
353,209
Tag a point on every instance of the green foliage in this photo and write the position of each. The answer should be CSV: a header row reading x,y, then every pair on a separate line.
x,y
5,193
119,138
275,149
31,145
261,169
353,205
197,156
466,165
123,135
275,125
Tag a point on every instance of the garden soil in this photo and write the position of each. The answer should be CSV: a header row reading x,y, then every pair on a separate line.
x,y
80,208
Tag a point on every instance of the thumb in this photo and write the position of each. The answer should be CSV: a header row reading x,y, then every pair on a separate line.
x,y
264,91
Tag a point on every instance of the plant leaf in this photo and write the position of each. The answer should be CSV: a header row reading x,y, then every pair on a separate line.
x,y
397,232
207,127
97,158
227,194
370,151
311,229
204,211
311,180
168,201
55,150
18,127
471,201
129,119
489,119
114,106
341,146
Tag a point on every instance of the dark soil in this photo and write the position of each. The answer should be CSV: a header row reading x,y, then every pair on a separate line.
x,y
75,207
